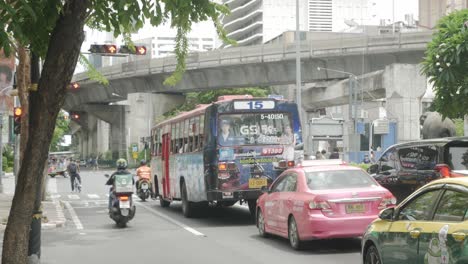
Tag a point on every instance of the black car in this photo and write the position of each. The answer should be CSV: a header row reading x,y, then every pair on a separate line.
x,y
405,167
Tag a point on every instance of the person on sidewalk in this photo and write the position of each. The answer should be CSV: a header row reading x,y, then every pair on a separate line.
x,y
73,170
335,154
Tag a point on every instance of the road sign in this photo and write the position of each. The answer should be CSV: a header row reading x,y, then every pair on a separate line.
x,y
134,147
135,155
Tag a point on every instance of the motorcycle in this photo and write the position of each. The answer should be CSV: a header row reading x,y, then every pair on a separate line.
x,y
122,209
143,189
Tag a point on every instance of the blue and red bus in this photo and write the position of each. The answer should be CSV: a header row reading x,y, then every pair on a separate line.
x,y
224,152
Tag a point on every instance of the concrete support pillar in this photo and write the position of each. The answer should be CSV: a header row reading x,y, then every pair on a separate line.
x,y
405,86
144,110
103,130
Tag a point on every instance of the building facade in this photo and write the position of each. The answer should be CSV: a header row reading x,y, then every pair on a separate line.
x,y
430,11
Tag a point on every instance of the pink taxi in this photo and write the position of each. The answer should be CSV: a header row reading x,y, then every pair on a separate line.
x,y
321,199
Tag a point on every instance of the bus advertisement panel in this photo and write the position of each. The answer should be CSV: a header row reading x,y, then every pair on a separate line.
x,y
225,152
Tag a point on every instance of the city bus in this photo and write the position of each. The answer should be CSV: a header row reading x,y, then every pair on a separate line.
x,y
224,152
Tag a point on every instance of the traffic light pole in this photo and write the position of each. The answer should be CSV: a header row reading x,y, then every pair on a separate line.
x,y
34,248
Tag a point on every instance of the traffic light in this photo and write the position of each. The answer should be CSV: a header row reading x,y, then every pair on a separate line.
x,y
74,86
104,48
74,116
17,113
139,50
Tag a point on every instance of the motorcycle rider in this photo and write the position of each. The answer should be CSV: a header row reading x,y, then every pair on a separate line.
x,y
144,172
122,170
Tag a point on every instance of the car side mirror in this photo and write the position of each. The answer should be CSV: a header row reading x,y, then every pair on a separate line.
x,y
374,168
387,214
265,189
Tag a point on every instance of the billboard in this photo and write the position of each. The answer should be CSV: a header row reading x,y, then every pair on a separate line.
x,y
7,68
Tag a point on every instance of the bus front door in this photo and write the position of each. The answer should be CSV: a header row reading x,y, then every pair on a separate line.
x,y
166,145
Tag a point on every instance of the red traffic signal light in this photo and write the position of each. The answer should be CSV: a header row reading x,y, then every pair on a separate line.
x,y
74,116
140,50
17,114
105,48
75,86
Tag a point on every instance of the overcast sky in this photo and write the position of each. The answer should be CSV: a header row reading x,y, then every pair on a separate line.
x,y
402,7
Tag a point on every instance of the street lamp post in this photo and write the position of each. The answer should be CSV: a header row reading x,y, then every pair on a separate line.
x,y
352,104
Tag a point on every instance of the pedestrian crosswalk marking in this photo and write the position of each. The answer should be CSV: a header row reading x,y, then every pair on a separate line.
x,y
55,196
93,196
73,197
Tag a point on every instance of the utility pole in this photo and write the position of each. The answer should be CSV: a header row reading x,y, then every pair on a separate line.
x,y
298,63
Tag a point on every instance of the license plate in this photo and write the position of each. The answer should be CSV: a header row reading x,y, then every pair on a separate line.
x,y
257,183
124,204
144,186
355,208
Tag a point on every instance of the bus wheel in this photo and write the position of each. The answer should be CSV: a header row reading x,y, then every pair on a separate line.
x,y
187,206
163,202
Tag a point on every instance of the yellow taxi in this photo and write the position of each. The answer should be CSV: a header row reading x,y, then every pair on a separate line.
x,y
428,227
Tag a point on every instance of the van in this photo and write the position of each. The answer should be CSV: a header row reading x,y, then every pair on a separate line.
x,y
403,168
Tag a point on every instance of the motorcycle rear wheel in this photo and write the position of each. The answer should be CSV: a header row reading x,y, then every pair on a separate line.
x,y
121,224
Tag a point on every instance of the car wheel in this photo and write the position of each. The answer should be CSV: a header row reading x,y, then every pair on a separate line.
x,y
293,234
372,256
261,224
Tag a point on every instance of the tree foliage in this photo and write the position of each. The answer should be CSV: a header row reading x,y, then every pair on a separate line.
x,y
53,30
446,64
61,128
207,97
121,17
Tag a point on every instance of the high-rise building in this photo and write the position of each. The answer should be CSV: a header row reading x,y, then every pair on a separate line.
x,y
258,21
320,15
430,11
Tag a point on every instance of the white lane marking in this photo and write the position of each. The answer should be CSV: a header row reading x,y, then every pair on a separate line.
x,y
175,222
73,197
93,196
55,196
52,186
59,210
74,216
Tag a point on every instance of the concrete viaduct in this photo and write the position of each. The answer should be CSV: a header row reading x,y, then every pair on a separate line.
x,y
386,66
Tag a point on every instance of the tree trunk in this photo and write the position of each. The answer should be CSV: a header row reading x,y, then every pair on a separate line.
x,y
60,62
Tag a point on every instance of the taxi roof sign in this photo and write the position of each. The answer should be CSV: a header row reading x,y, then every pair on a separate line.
x,y
310,163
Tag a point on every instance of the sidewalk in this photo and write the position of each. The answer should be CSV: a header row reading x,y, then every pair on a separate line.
x,y
52,210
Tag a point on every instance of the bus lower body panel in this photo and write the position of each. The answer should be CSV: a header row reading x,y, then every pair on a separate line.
x,y
217,195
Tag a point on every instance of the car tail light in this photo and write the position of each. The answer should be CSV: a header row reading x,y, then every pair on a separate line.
x,y
319,205
123,198
222,166
231,166
291,163
387,201
443,169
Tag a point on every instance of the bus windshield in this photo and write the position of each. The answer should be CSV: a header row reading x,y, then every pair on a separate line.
x,y
255,129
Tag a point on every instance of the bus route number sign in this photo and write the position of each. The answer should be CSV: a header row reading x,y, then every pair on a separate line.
x,y
254,105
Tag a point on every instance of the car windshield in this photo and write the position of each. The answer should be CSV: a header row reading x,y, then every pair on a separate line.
x,y
255,129
458,157
338,179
